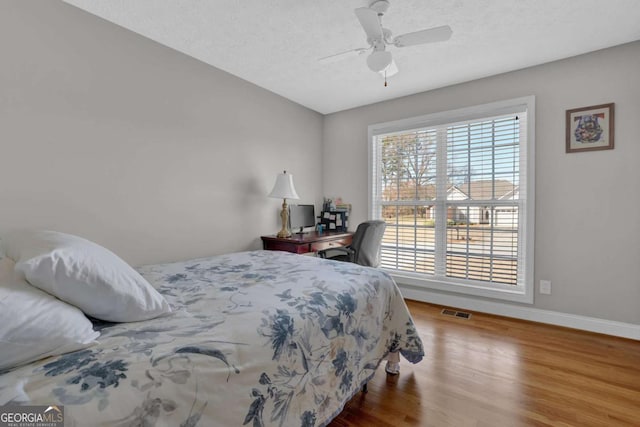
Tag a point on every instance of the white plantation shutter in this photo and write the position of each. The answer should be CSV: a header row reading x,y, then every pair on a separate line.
x,y
452,188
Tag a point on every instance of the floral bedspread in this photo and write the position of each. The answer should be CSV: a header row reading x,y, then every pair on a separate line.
x,y
257,338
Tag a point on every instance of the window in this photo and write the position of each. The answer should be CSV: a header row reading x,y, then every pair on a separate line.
x,y
455,190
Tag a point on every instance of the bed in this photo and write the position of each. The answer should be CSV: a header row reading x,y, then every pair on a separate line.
x,y
255,338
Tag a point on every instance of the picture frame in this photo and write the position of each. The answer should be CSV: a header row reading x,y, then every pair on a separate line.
x,y
590,128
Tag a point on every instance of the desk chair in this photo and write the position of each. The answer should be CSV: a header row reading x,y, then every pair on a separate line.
x,y
364,248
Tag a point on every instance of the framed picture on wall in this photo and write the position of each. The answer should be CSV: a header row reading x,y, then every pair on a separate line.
x,y
590,128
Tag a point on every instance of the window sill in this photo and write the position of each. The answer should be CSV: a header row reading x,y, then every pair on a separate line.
x,y
506,293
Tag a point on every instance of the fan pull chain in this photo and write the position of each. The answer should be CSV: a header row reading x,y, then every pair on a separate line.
x,y
385,78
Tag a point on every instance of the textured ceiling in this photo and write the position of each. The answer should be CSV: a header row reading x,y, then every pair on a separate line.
x,y
276,44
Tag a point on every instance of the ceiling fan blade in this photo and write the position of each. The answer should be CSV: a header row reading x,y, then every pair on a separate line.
x,y
370,22
342,55
391,70
437,34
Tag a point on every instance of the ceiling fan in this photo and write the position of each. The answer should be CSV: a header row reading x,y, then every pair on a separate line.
x,y
380,60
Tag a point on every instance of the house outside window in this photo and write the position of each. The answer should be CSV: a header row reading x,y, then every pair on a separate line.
x,y
456,191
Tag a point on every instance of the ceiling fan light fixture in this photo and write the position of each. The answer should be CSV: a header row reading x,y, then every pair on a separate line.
x,y
379,60
390,71
380,38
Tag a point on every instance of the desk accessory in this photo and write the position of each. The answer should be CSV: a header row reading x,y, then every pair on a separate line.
x,y
284,189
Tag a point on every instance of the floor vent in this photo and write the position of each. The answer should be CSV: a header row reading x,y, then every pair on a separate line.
x,y
454,313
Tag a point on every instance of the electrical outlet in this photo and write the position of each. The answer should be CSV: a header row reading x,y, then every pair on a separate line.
x,y
545,287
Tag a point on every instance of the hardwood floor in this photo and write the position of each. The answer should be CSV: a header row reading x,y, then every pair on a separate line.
x,y
495,371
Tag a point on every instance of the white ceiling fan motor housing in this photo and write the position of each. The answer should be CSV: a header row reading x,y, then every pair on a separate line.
x,y
380,6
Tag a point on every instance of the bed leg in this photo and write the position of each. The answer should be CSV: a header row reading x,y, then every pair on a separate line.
x,y
393,363
364,388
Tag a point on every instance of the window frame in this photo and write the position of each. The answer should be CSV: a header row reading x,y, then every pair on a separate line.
x,y
523,292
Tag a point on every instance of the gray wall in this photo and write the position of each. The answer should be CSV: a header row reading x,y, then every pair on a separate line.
x,y
587,204
159,157
114,137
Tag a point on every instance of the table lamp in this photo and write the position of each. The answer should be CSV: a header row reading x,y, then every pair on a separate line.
x,y
284,189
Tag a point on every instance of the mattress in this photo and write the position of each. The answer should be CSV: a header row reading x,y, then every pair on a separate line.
x,y
259,338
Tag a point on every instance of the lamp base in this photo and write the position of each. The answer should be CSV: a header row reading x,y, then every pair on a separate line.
x,y
284,214
282,234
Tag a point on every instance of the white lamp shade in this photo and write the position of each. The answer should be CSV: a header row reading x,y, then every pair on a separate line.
x,y
284,189
379,60
391,70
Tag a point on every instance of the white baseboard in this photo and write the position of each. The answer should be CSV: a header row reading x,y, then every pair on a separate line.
x,y
592,324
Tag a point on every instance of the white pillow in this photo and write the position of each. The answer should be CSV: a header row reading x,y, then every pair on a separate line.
x,y
33,324
84,274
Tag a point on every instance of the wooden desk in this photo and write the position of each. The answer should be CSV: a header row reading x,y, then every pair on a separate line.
x,y
308,242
